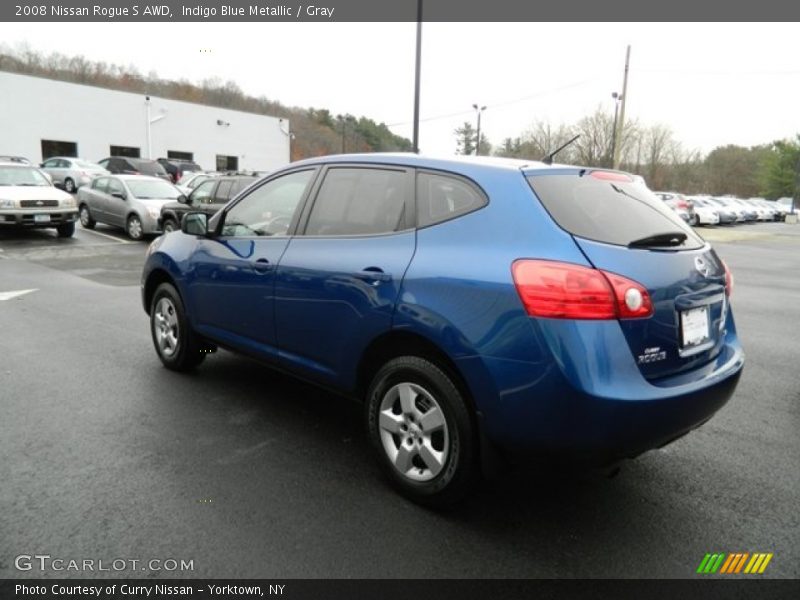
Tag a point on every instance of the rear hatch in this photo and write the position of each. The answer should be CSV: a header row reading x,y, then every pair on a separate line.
x,y
622,227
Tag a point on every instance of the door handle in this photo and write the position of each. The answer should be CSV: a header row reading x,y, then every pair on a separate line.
x,y
372,275
262,265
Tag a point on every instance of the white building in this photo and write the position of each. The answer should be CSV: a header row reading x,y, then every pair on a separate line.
x,y
42,117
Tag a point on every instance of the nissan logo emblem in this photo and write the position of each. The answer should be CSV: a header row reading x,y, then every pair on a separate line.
x,y
702,266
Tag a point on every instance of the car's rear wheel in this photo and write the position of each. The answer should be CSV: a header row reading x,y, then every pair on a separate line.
x,y
178,347
134,228
168,225
86,217
69,185
66,230
422,431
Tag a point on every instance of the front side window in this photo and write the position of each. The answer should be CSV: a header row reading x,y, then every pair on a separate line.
x,y
115,187
359,201
269,209
202,193
223,193
100,184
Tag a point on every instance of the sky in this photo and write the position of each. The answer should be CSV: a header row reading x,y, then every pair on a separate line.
x,y
711,83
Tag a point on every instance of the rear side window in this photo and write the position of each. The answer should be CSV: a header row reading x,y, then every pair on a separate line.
x,y
441,198
610,211
360,201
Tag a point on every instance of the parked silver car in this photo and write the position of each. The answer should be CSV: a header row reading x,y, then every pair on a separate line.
x,y
28,199
71,173
132,202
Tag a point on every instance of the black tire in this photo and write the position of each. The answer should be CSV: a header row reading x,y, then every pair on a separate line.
x,y
86,217
458,471
133,227
69,186
169,225
66,230
188,351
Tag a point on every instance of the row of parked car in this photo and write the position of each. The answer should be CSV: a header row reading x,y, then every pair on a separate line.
x,y
726,210
136,194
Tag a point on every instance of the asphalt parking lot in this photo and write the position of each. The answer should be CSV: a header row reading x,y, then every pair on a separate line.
x,y
105,454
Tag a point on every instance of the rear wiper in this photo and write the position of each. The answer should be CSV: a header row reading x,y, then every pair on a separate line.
x,y
672,238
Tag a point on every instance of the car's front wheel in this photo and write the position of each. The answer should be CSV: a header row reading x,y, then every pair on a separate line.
x,y
66,230
86,217
178,347
134,228
421,429
169,225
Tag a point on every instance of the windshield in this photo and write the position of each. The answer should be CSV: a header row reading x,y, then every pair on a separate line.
x,y
608,207
153,190
149,167
22,176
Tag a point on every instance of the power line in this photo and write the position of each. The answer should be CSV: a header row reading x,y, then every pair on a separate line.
x,y
499,104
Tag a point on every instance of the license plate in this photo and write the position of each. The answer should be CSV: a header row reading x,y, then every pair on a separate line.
x,y
694,326
41,218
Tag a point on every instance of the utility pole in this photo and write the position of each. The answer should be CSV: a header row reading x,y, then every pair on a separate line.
x,y
416,77
479,110
624,101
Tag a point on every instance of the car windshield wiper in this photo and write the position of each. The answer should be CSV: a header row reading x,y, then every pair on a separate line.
x,y
670,238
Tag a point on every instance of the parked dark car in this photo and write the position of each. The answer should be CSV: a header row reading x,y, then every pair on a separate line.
x,y
477,307
208,197
176,167
123,165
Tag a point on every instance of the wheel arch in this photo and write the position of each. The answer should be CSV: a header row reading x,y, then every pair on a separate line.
x,y
154,279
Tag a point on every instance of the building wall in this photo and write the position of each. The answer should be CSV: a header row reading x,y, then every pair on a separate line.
x,y
34,108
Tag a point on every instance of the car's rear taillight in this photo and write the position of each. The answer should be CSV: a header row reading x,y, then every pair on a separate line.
x,y
728,279
559,290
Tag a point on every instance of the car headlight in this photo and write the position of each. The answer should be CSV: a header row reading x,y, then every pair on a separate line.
x,y
154,212
6,203
68,202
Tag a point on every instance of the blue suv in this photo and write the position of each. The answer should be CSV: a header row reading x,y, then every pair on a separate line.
x,y
477,307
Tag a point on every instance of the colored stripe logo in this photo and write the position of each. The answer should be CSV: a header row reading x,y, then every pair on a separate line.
x,y
734,563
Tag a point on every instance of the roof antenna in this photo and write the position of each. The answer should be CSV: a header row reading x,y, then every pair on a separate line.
x,y
548,160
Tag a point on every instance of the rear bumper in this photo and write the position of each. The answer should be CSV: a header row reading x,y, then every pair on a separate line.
x,y
593,406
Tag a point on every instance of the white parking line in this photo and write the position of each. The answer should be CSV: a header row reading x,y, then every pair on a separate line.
x,y
105,235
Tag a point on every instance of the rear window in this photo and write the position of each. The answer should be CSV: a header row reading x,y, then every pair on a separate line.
x,y
610,211
149,168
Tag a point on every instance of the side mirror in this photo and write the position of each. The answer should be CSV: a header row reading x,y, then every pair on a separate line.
x,y
183,199
195,223
119,195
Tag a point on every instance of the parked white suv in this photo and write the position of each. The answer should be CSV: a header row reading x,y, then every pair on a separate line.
x,y
29,199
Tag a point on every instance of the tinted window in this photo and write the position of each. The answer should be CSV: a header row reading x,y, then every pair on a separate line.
x,y
440,198
148,167
614,212
223,192
355,201
268,209
202,193
51,164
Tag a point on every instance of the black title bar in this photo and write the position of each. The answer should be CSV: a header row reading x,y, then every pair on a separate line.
x,y
398,10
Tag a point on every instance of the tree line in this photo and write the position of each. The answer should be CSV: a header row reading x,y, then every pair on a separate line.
x,y
316,132
652,151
